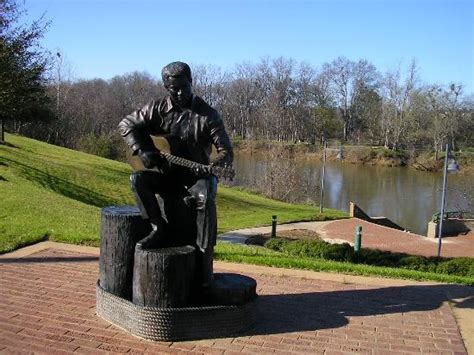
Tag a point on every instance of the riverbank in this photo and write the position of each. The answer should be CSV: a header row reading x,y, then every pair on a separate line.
x,y
422,160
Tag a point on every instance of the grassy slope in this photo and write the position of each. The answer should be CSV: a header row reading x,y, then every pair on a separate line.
x,y
49,191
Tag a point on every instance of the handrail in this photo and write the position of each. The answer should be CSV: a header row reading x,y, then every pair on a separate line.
x,y
452,214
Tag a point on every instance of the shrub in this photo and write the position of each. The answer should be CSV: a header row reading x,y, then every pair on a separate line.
x,y
338,252
414,262
457,266
97,145
313,249
276,244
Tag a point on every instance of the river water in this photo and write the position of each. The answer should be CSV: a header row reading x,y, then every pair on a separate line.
x,y
406,196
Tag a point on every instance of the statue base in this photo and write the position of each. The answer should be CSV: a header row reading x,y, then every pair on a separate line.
x,y
158,294
202,321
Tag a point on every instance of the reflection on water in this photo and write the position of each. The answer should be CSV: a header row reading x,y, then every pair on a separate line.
x,y
406,196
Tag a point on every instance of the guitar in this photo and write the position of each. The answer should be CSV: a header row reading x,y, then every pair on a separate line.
x,y
162,144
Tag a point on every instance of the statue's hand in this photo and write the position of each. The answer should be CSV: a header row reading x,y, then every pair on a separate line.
x,y
202,171
150,159
147,158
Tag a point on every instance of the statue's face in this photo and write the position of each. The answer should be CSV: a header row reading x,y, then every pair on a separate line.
x,y
179,90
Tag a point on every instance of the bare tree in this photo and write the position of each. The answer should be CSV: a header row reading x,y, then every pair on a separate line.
x,y
208,81
395,118
279,179
348,78
242,101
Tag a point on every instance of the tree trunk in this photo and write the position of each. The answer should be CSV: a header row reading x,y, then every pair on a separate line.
x,y
121,228
2,130
163,277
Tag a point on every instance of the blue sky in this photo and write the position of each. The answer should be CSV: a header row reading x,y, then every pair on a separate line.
x,y
104,38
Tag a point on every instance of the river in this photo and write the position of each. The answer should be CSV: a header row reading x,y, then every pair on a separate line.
x,y
406,196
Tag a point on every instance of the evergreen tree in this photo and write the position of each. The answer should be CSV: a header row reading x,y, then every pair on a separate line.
x,y
23,64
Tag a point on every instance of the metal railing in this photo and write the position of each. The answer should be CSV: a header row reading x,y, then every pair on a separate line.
x,y
452,215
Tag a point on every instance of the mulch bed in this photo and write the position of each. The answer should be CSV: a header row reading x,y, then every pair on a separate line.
x,y
293,234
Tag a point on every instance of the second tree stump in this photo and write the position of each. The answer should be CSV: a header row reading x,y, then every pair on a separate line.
x,y
163,277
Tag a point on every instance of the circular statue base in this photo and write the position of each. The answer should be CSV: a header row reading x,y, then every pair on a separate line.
x,y
220,319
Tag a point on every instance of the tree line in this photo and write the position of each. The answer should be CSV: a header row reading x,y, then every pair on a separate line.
x,y
280,99
274,99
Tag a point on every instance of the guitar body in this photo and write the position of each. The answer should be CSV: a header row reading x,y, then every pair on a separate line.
x,y
160,142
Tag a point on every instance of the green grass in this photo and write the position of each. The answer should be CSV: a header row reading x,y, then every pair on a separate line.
x,y
266,257
240,209
56,193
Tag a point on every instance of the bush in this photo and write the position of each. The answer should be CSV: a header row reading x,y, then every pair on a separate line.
x,y
414,262
344,252
102,146
276,244
458,266
338,252
392,154
312,248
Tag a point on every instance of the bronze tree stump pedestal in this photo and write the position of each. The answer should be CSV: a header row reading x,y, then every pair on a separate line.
x,y
156,297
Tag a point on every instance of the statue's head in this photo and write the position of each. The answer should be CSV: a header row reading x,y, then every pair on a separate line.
x,y
178,81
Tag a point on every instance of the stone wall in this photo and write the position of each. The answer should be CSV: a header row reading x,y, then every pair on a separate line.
x,y
357,212
451,227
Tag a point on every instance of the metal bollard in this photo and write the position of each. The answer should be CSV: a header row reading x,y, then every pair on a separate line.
x,y
274,226
358,238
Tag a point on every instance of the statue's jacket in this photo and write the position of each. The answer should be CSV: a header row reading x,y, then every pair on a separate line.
x,y
196,130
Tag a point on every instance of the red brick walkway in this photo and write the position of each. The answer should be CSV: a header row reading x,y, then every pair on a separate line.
x,y
48,306
384,238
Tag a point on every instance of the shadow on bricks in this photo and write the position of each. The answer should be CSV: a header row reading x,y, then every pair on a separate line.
x,y
324,310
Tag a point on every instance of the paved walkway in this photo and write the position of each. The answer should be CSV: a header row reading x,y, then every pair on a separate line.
x,y
373,236
48,306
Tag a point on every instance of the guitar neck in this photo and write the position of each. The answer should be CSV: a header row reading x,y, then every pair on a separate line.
x,y
181,161
163,145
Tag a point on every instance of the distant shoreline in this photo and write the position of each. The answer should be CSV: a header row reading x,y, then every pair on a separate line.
x,y
363,155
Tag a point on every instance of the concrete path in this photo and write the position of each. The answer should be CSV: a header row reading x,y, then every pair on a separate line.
x,y
373,236
47,305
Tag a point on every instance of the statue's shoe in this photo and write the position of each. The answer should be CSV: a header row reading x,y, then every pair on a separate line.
x,y
153,240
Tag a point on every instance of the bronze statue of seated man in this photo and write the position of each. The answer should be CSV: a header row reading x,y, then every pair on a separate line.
x,y
185,211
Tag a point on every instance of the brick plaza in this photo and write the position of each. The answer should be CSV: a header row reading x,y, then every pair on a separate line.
x,y
48,306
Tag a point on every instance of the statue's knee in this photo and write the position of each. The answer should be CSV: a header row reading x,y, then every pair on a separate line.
x,y
200,201
196,200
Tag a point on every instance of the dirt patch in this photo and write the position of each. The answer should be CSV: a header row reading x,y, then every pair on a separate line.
x,y
292,234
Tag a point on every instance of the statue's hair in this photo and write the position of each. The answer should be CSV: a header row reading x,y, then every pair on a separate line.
x,y
176,69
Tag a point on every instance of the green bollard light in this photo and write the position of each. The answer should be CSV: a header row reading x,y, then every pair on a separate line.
x,y
274,226
358,238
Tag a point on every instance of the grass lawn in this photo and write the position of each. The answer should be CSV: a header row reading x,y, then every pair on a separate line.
x,y
56,193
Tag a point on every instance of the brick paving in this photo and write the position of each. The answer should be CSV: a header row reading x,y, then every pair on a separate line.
x,y
384,238
48,306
